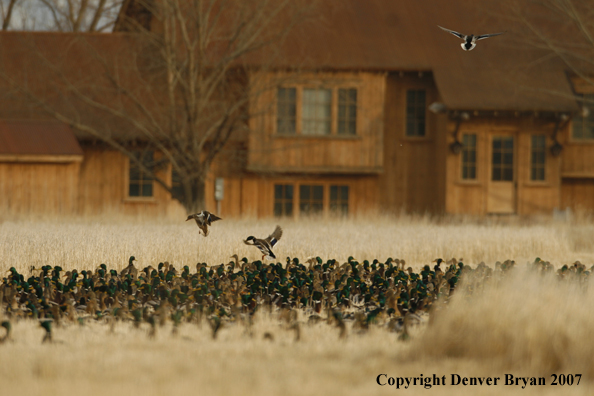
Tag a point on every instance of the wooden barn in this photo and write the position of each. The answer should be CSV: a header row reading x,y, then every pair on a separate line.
x,y
369,109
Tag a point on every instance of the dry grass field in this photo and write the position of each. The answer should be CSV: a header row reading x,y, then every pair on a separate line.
x,y
526,326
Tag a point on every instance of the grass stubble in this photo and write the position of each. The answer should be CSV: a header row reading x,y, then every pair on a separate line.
x,y
526,326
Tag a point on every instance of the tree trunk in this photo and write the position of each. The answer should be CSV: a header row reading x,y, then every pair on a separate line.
x,y
194,201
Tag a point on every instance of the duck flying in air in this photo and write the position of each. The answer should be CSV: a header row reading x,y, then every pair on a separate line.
x,y
469,40
203,219
266,245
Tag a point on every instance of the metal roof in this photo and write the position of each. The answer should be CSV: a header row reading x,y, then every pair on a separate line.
x,y
31,137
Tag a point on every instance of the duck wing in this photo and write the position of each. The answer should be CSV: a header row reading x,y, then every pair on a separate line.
x,y
275,236
484,36
459,35
210,217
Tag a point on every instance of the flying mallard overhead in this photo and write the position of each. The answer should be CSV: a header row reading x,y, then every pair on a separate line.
x,y
469,40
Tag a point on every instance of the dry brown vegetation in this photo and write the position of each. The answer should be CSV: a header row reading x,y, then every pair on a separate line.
x,y
527,325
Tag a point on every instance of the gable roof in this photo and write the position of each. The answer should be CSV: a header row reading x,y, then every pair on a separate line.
x,y
37,138
389,35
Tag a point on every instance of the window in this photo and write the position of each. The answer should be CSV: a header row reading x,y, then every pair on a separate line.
x,y
538,158
283,200
339,199
177,190
469,157
503,158
311,199
347,111
286,110
583,127
317,112
415,112
141,182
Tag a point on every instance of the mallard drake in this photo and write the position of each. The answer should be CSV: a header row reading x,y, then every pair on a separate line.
x,y
203,219
469,40
266,245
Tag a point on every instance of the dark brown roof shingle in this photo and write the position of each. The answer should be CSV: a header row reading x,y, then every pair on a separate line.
x,y
31,137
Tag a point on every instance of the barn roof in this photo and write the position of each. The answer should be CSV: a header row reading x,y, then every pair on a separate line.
x,y
37,138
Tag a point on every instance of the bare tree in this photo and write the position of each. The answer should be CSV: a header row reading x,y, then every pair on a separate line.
x,y
183,90
562,29
60,15
6,11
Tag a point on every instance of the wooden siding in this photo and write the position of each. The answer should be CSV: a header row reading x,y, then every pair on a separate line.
x,y
414,172
39,188
253,195
298,153
578,157
531,197
578,194
103,188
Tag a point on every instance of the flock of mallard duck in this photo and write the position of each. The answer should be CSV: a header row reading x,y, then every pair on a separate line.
x,y
351,294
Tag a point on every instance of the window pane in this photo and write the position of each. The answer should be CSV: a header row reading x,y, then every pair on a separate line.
x,y
415,112
469,156
283,199
147,189
140,181
347,111
134,190
339,199
317,111
538,157
286,110
311,199
502,160
583,127
318,193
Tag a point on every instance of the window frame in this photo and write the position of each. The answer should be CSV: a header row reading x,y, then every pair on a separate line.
x,y
311,200
581,140
502,163
543,150
340,201
462,162
334,88
284,200
128,180
277,115
425,134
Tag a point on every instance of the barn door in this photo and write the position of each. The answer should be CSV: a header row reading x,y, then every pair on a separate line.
x,y
502,180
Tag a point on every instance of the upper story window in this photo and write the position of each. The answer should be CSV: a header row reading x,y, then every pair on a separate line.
x,y
347,111
140,182
316,112
310,111
469,156
415,112
283,200
311,199
583,126
538,155
286,100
